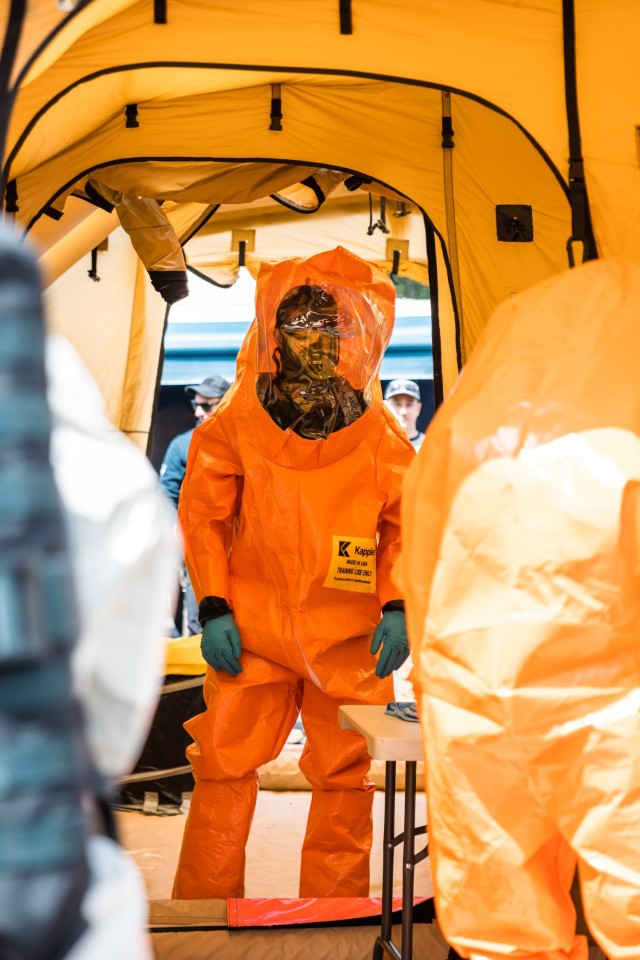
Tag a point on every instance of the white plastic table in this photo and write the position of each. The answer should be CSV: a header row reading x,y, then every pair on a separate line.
x,y
393,740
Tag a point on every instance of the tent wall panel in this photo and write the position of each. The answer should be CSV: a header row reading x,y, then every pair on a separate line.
x,y
493,163
609,104
107,327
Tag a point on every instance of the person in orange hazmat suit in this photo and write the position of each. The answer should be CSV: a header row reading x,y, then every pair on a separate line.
x,y
290,511
521,572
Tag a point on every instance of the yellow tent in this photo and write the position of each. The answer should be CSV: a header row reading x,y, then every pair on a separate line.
x,y
469,110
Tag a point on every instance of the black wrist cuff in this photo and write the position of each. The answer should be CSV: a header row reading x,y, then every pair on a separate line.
x,y
171,284
394,605
210,608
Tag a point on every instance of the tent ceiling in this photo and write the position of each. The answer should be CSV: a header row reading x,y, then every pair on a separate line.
x,y
377,99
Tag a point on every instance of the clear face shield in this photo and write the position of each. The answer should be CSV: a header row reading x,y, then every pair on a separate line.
x,y
307,348
322,328
321,360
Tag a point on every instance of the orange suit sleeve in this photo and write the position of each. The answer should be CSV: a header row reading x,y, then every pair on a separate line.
x,y
209,501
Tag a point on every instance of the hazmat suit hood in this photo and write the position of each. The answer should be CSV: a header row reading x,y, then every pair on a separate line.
x,y
322,326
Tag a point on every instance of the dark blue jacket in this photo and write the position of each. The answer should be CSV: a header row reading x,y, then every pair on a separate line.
x,y
174,464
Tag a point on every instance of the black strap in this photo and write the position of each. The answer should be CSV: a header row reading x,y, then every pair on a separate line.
x,y
159,11
93,272
436,346
313,184
395,268
96,198
11,197
346,20
13,30
581,228
276,107
53,213
381,223
242,249
355,181
447,134
131,113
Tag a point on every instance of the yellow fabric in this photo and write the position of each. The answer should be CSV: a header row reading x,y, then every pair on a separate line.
x,y
85,227
259,509
183,656
520,567
118,336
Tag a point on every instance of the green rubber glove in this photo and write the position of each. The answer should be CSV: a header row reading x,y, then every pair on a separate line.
x,y
391,634
221,645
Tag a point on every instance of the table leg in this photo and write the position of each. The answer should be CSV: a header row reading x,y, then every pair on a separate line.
x,y
409,860
387,859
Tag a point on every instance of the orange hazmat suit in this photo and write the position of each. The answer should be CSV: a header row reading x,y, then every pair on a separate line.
x,y
520,569
299,537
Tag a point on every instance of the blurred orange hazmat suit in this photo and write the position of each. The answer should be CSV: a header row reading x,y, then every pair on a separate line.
x,y
520,568
299,536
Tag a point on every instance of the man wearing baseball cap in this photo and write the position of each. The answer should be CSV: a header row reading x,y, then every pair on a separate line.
x,y
403,399
205,398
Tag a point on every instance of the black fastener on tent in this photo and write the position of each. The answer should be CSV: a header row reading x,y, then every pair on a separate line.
x,y
131,113
581,228
11,197
159,11
346,20
276,107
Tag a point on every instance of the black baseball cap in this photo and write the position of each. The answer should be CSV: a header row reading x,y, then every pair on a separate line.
x,y
211,387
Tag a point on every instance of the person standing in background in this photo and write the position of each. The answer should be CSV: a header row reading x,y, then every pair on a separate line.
x,y
403,399
205,398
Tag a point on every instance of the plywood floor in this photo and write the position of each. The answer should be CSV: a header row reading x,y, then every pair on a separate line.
x,y
273,853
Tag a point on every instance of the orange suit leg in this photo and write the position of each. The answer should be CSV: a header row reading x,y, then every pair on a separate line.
x,y
245,725
502,871
337,844
601,820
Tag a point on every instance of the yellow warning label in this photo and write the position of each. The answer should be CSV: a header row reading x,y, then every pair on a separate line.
x,y
353,564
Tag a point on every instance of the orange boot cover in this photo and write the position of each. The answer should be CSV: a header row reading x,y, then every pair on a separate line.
x,y
520,567
337,843
246,723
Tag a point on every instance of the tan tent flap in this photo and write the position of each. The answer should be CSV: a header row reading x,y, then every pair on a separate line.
x,y
208,182
118,337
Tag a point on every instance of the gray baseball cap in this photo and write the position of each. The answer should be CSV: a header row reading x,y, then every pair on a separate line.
x,y
407,387
211,387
